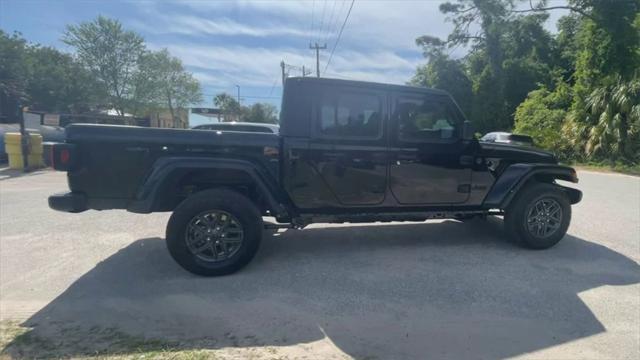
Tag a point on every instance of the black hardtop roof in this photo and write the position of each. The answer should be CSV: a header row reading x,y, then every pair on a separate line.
x,y
240,123
367,84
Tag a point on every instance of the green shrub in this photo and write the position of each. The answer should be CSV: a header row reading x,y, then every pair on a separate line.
x,y
541,116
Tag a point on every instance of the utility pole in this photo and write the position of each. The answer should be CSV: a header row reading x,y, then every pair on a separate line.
x,y
238,86
317,48
284,76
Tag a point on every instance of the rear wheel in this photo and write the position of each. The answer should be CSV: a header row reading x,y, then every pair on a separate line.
x,y
214,232
538,217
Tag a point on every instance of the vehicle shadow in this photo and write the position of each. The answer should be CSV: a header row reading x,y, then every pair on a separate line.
x,y
431,290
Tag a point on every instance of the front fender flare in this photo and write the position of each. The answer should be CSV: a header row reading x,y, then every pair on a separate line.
x,y
514,177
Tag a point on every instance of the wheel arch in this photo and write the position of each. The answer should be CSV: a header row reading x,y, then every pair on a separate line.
x,y
517,176
172,179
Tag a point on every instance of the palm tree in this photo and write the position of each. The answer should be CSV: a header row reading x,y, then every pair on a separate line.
x,y
228,105
613,111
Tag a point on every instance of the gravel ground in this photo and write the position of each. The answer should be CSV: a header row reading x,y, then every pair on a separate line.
x,y
440,289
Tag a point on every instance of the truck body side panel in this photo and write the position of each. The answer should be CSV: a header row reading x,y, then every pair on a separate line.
x,y
114,161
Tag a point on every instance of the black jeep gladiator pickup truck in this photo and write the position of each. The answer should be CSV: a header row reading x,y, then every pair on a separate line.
x,y
347,151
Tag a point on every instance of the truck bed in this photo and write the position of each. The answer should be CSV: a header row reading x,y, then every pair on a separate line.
x,y
113,161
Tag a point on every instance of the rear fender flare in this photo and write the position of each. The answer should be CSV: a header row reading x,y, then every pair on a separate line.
x,y
162,170
517,175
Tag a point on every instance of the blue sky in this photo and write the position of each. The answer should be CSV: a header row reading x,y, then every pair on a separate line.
x,y
224,43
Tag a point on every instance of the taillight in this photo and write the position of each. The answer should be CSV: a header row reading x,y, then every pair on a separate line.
x,y
63,156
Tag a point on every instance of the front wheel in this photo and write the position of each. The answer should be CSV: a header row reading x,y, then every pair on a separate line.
x,y
214,232
539,216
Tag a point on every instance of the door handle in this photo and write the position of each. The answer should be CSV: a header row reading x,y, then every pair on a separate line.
x,y
137,149
293,155
466,160
333,154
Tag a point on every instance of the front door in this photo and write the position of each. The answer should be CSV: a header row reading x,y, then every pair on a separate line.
x,y
430,162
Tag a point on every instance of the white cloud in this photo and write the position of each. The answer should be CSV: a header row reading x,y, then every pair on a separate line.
x,y
222,66
371,23
198,26
243,42
377,43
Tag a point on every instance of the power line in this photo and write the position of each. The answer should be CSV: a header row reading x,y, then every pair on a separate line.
x,y
313,11
330,22
273,86
335,22
339,35
324,8
313,30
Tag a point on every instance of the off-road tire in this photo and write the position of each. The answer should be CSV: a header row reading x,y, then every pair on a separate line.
x,y
231,202
515,219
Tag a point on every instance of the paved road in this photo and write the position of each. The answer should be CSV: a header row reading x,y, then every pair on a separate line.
x,y
440,289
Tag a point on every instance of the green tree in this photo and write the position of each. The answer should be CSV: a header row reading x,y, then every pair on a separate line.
x,y
234,111
542,116
261,113
528,55
229,106
606,61
111,53
14,71
162,82
481,24
581,83
444,73
58,83
613,116
509,56
44,78
566,46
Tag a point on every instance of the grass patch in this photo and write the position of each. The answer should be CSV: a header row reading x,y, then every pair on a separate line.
x,y
68,342
18,342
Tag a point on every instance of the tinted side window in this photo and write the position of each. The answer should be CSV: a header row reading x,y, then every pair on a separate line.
x,y
422,119
350,115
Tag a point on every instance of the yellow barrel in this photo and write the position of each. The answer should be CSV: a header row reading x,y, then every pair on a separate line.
x,y
13,148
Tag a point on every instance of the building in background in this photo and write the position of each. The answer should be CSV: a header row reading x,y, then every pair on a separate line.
x,y
163,119
202,116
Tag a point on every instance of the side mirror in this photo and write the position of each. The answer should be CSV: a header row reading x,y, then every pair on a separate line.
x,y
468,132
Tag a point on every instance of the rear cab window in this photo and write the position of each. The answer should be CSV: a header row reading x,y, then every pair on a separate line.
x,y
349,114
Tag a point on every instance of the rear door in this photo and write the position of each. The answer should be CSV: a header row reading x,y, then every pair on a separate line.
x,y
348,148
430,162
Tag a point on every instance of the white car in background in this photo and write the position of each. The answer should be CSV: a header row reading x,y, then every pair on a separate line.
x,y
508,138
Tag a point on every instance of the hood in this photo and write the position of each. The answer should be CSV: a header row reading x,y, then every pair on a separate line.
x,y
526,154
